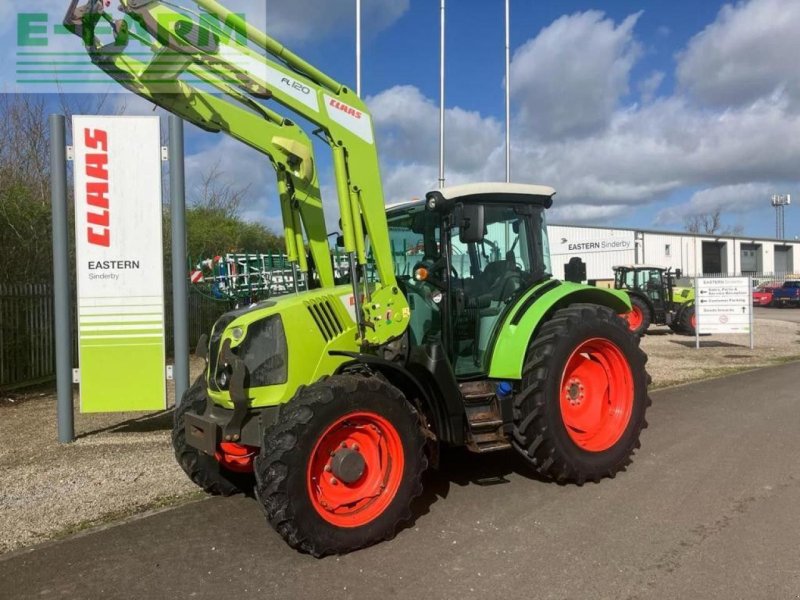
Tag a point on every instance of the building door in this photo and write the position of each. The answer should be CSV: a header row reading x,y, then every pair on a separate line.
x,y
714,258
750,259
783,260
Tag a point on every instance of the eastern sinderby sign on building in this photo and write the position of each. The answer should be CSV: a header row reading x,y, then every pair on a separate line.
x,y
591,241
724,305
119,254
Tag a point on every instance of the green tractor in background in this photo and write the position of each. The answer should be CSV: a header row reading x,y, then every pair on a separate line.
x,y
655,299
331,403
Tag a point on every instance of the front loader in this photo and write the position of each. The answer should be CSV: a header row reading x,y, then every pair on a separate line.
x,y
331,403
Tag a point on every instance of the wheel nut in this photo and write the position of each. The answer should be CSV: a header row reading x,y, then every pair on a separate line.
x,y
355,446
327,468
334,481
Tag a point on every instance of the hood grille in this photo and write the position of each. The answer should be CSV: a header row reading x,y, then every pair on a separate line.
x,y
326,319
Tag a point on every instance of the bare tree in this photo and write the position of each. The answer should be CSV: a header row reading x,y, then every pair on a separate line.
x,y
216,195
710,223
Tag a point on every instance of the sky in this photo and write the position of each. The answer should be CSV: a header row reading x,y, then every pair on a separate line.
x,y
640,114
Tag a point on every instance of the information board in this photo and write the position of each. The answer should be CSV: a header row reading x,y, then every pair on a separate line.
x,y
724,305
119,256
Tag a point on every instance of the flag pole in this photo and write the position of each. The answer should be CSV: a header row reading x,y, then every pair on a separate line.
x,y
441,93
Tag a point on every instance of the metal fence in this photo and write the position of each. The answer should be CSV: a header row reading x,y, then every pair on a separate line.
x,y
26,334
27,337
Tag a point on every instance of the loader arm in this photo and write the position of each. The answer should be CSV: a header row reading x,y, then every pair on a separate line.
x,y
200,45
288,148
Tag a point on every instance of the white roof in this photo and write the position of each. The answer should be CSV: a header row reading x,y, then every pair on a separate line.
x,y
469,189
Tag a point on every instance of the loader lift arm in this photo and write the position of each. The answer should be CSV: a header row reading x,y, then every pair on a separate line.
x,y
201,48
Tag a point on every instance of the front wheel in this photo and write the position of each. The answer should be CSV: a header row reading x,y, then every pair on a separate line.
x,y
638,318
688,319
584,396
216,475
340,468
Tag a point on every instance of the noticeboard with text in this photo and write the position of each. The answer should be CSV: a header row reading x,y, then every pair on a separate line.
x,y
724,305
119,256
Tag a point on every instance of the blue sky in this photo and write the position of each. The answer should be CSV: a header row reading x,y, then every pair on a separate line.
x,y
639,113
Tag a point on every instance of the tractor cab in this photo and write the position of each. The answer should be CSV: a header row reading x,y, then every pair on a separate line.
x,y
463,257
653,282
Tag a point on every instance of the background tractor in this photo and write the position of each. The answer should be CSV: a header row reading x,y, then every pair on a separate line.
x,y
330,403
655,299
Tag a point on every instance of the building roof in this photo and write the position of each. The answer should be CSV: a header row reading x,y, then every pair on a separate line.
x,y
712,236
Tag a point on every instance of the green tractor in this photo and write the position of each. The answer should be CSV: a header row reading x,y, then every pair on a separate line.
x,y
331,403
655,299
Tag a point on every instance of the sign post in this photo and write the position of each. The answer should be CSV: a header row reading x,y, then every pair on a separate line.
x,y
119,254
724,305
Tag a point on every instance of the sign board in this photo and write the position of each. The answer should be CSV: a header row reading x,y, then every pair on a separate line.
x,y
119,256
588,241
724,305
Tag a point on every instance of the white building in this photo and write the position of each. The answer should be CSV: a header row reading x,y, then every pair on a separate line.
x,y
694,254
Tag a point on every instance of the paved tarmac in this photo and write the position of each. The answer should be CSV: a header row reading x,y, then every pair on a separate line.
x,y
710,508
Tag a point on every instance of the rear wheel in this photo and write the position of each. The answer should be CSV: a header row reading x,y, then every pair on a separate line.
x,y
584,396
340,468
230,471
638,318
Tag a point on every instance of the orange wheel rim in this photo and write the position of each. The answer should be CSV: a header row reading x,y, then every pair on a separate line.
x,y
596,395
355,469
635,318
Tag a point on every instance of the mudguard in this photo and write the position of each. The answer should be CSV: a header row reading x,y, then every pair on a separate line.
x,y
534,308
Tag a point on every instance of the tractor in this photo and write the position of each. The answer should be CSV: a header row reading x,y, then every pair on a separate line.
x,y
655,299
330,403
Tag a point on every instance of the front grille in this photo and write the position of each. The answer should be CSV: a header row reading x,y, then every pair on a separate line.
x,y
324,315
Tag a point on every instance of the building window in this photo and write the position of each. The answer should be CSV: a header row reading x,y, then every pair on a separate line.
x,y
667,250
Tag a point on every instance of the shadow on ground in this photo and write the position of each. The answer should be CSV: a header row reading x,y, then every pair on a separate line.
x,y
161,421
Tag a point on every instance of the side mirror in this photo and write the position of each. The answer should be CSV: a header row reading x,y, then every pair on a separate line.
x,y
575,270
470,221
678,273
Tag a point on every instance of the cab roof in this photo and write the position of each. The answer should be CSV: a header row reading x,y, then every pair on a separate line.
x,y
633,267
479,189
494,191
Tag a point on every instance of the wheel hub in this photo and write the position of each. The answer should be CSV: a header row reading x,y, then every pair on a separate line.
x,y
348,464
575,391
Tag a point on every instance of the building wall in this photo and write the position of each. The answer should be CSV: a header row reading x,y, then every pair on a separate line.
x,y
601,249
685,251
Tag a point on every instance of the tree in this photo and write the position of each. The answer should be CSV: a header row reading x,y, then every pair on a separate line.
x,y
710,223
213,223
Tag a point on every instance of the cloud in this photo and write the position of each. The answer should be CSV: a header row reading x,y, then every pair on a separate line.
x,y
749,52
740,198
585,214
568,80
407,126
310,20
238,166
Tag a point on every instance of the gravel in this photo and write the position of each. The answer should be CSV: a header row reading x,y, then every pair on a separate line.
x,y
122,464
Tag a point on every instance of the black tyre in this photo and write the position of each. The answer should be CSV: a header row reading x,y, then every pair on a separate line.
x,y
639,318
340,468
584,396
202,469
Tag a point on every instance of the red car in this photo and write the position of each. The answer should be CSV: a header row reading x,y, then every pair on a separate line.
x,y
762,295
